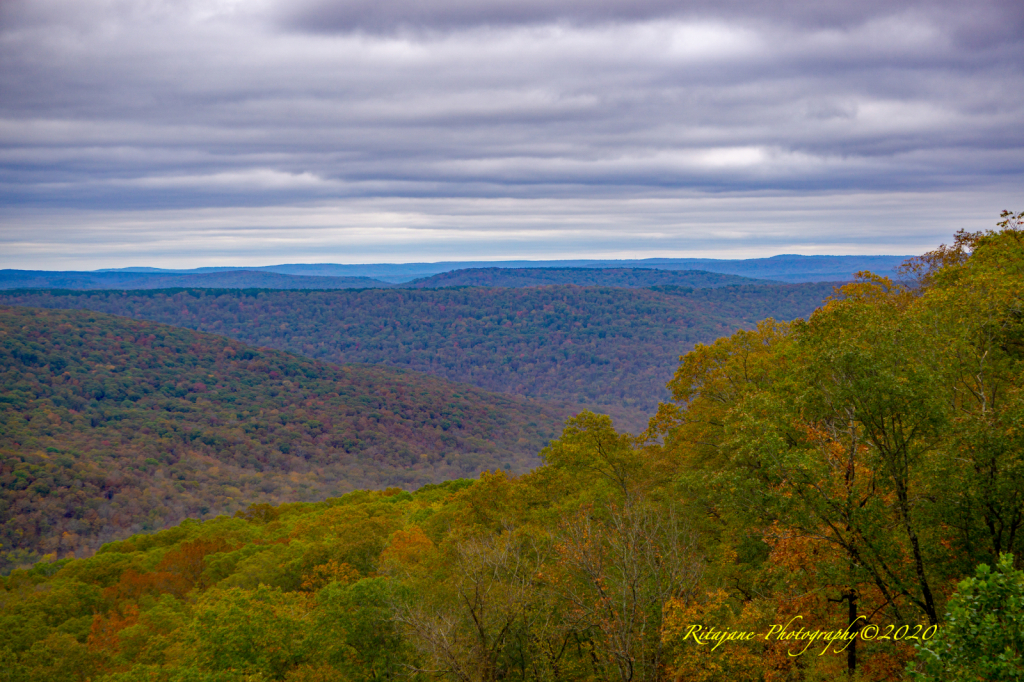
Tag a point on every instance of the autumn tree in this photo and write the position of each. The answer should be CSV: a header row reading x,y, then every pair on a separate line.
x,y
617,568
473,605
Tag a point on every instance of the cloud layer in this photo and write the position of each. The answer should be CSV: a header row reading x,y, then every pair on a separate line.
x,y
459,129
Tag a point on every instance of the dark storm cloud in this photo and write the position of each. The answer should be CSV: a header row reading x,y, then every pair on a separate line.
x,y
115,110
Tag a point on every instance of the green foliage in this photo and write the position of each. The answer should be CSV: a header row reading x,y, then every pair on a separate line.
x,y
263,630
354,631
227,599
61,657
982,637
873,451
595,458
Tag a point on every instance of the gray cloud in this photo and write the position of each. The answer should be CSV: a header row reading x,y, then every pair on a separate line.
x,y
993,19
116,107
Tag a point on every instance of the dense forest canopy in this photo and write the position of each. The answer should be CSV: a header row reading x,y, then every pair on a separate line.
x,y
846,490
110,426
606,349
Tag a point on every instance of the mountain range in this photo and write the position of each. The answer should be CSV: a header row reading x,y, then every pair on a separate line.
x,y
785,268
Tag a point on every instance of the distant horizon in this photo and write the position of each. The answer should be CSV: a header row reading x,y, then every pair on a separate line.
x,y
192,252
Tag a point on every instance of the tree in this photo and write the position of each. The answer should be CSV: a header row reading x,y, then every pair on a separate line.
x,y
617,568
472,608
982,637
976,305
354,632
251,631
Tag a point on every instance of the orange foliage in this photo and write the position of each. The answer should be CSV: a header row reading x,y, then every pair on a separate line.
x,y
104,633
693,662
187,561
178,572
407,547
133,585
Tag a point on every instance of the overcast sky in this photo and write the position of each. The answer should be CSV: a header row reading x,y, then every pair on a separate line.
x,y
182,133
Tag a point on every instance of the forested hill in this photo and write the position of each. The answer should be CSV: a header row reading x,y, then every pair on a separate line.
x,y
608,349
229,279
584,277
110,426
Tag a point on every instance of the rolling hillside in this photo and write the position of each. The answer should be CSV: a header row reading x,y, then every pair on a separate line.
x,y
110,426
607,349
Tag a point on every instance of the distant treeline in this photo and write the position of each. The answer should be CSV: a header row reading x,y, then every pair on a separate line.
x,y
609,349
262,279
629,278
781,268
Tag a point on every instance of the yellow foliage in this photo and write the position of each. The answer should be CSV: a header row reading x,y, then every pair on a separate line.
x,y
324,574
691,659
